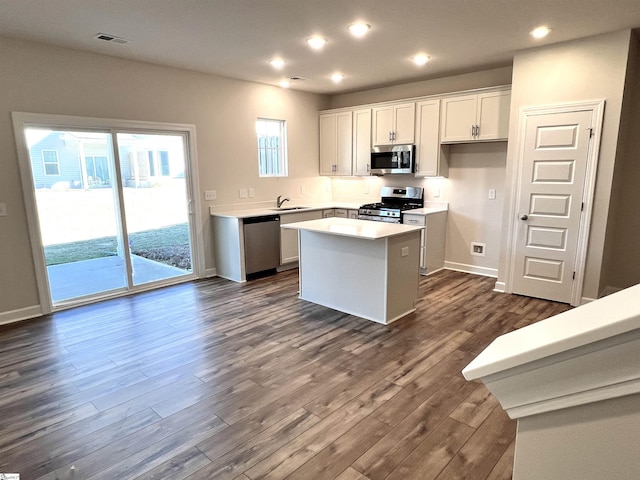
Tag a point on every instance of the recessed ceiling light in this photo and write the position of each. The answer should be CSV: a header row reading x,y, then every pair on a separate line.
x,y
284,83
316,42
540,32
359,29
337,77
277,63
420,59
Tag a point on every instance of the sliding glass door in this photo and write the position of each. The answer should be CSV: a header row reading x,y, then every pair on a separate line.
x,y
156,205
113,210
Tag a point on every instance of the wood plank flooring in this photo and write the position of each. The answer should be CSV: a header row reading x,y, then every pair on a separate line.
x,y
218,380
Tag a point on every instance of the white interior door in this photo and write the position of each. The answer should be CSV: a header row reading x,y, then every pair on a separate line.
x,y
554,161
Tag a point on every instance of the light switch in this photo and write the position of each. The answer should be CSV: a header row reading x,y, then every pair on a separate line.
x,y
243,193
436,192
405,251
492,194
252,193
3,209
210,195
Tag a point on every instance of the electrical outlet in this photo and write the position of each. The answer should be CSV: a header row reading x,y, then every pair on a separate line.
x,y
303,190
478,249
243,193
436,192
492,194
210,195
252,193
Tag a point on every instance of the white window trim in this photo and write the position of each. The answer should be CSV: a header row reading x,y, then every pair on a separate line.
x,y
283,163
24,119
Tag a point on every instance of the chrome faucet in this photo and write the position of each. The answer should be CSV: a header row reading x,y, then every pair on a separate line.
x,y
281,200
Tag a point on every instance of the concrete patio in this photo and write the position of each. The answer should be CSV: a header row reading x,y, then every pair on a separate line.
x,y
99,275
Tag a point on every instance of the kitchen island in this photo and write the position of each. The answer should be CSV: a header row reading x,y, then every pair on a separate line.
x,y
364,268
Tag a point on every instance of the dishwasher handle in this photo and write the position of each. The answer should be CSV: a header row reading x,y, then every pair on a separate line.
x,y
261,219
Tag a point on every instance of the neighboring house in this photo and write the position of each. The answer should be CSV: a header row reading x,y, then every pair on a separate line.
x,y
83,160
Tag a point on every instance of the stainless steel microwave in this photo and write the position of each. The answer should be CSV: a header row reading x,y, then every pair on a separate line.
x,y
393,159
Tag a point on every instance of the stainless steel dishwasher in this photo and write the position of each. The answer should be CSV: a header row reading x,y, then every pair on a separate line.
x,y
261,245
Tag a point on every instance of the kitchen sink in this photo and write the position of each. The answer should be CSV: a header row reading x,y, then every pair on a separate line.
x,y
282,209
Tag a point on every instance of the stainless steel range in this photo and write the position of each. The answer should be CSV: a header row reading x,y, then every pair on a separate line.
x,y
393,202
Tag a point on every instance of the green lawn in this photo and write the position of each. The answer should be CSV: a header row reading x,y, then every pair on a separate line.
x,y
168,245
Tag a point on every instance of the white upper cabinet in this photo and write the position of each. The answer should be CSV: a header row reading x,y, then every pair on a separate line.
x,y
362,142
431,156
478,117
394,124
336,138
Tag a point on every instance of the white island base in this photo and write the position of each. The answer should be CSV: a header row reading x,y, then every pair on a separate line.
x,y
363,268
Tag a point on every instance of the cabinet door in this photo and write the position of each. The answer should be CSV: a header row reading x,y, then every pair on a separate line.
x,y
382,125
328,143
340,212
353,214
404,123
361,142
415,219
458,118
289,238
431,156
493,115
328,213
344,132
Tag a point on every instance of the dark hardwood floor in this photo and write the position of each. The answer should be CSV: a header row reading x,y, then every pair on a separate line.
x,y
215,379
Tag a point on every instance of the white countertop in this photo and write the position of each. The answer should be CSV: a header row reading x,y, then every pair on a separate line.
x,y
606,317
257,212
349,227
430,207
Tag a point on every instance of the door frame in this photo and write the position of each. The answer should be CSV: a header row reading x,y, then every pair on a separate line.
x,y
597,109
21,120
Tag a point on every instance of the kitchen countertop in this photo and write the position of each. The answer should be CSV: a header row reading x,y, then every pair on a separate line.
x,y
258,212
349,227
430,207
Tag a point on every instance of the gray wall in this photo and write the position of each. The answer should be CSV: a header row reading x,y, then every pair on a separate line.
x,y
43,79
589,69
457,83
621,264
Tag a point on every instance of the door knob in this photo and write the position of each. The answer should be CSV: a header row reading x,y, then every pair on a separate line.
x,y
524,217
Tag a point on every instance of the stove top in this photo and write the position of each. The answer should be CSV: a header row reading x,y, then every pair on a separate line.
x,y
394,201
392,206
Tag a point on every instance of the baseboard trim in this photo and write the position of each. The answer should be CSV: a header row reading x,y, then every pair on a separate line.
x,y
210,272
20,314
463,267
500,287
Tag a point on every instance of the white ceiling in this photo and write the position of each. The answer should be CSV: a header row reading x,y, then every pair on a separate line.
x,y
237,38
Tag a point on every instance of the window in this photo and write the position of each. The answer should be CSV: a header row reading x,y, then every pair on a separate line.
x,y
272,148
165,170
152,164
97,170
51,162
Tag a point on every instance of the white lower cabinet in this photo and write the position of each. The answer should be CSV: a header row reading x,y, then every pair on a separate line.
x,y
340,212
352,214
289,238
432,239
331,212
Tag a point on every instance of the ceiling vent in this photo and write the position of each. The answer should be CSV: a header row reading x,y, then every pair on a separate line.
x,y
296,78
105,37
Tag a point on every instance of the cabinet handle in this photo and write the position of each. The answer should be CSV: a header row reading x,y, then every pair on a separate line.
x,y
368,167
473,131
477,130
